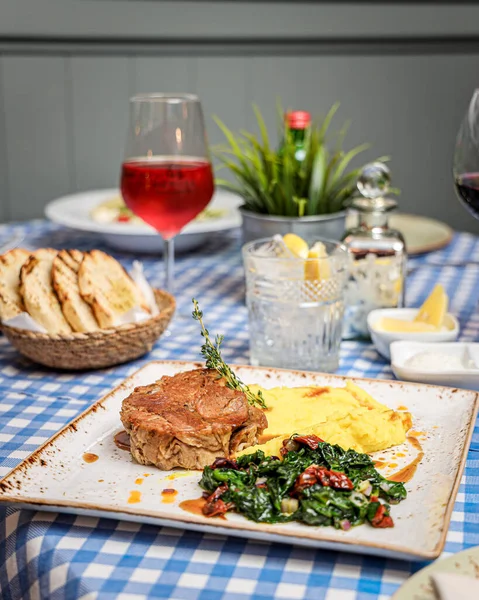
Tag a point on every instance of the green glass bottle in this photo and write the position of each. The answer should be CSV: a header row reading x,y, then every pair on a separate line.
x,y
298,124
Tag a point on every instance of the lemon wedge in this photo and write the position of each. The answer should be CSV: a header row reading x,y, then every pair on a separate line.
x,y
383,261
296,245
317,268
434,308
400,326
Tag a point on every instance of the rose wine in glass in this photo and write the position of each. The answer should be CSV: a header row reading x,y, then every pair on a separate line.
x,y
166,176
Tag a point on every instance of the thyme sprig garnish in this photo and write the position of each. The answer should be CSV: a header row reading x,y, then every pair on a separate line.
x,y
212,354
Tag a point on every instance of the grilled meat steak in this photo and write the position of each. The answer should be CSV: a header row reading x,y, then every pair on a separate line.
x,y
188,420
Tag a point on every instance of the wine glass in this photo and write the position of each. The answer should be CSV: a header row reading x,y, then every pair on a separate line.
x,y
166,175
466,158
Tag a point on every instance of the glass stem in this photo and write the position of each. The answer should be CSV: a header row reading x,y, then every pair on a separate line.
x,y
169,255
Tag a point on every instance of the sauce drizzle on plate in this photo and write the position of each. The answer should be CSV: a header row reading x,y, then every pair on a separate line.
x,y
135,497
407,473
168,495
195,507
89,457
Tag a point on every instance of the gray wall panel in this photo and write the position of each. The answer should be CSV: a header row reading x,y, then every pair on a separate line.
x,y
408,107
100,92
36,133
223,86
223,20
275,78
165,74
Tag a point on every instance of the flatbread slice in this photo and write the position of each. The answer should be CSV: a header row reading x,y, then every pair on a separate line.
x,y
72,258
11,303
108,288
38,295
76,311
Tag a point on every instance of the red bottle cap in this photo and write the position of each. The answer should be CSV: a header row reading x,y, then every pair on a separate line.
x,y
298,119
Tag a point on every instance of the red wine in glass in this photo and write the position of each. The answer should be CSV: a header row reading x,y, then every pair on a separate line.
x,y
467,186
167,193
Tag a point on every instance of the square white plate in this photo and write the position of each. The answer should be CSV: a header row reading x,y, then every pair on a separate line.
x,y
56,477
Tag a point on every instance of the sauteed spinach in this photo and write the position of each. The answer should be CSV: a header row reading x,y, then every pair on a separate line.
x,y
316,483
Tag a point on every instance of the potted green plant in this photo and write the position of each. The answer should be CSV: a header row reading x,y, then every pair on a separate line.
x,y
283,193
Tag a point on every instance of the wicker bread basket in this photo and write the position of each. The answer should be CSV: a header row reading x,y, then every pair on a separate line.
x,y
97,349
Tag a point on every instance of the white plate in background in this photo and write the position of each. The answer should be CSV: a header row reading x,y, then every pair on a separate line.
x,y
420,585
422,234
57,478
74,211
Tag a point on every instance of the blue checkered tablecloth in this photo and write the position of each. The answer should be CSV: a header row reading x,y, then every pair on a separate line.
x,y
45,555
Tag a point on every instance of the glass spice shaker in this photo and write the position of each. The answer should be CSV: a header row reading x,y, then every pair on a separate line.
x,y
377,254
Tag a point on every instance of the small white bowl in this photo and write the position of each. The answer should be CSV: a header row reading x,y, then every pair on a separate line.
x,y
383,339
467,378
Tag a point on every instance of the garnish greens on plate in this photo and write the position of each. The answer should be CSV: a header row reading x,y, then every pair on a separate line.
x,y
315,483
212,354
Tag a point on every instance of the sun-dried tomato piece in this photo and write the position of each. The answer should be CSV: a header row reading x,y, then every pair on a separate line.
x,y
381,519
311,441
220,490
214,506
334,479
225,463
216,509
315,474
323,476
307,478
339,481
289,445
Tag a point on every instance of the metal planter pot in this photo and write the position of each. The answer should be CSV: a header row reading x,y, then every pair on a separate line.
x,y
256,226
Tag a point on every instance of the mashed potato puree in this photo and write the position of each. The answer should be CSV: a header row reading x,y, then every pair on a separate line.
x,y
347,416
